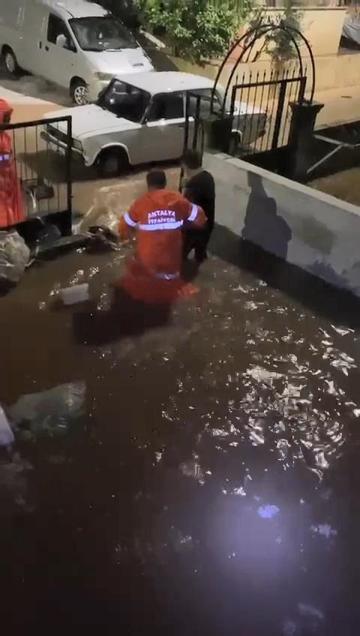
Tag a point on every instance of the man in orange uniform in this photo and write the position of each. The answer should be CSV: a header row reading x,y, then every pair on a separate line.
x,y
158,218
11,199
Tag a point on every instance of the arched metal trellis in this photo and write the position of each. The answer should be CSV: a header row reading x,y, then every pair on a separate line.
x,y
258,105
247,45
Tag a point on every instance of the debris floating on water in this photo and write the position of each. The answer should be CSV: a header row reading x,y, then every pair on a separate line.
x,y
14,257
309,610
263,375
268,511
75,294
325,530
49,412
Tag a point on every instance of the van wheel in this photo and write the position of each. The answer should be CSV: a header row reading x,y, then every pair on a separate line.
x,y
10,61
112,163
79,92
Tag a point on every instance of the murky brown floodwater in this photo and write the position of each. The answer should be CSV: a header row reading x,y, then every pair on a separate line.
x,y
343,185
211,485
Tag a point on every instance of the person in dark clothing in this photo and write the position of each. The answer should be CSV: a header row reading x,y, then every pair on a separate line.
x,y
199,188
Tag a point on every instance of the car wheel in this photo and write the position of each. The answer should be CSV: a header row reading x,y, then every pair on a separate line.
x,y
112,163
10,61
79,92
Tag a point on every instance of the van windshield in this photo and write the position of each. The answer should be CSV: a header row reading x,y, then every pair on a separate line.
x,y
124,101
102,34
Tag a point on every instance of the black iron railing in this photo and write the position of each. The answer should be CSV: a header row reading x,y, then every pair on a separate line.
x,y
261,110
42,169
256,118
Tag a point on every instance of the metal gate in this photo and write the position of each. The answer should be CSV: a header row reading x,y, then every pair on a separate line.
x,y
261,110
253,114
40,171
255,118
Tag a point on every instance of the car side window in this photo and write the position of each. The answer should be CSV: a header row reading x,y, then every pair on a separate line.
x,y
205,96
59,34
167,106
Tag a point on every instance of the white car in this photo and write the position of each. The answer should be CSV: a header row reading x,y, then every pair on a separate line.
x,y
140,119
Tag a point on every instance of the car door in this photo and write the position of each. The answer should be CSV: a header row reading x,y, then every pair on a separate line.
x,y
162,135
30,29
58,52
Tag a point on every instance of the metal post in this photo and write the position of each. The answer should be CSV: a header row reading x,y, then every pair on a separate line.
x,y
197,122
279,114
301,138
186,137
302,89
233,100
187,119
69,173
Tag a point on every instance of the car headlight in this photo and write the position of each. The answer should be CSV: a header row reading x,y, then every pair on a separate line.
x,y
104,77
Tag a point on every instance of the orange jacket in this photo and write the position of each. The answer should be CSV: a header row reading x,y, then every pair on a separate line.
x,y
11,198
158,218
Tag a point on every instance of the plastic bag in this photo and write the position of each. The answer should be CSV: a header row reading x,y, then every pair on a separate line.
x,y
110,220
14,256
50,412
103,239
100,217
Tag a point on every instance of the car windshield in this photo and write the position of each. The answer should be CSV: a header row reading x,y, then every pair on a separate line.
x,y
124,101
102,34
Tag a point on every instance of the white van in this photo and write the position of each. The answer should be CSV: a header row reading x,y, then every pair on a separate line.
x,y
76,44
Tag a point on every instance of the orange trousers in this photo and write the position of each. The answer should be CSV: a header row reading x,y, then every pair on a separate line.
x,y
143,285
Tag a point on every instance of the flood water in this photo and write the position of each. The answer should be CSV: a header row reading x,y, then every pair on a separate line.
x,y
209,484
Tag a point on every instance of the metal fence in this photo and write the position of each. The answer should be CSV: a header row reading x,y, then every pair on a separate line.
x,y
253,118
261,110
197,111
43,174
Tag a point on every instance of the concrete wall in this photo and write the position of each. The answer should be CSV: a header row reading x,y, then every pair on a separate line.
x,y
332,71
322,26
337,71
310,229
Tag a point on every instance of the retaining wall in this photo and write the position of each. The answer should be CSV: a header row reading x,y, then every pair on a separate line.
x,y
309,229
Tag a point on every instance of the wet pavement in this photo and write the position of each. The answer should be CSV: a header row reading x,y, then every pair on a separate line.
x,y
209,483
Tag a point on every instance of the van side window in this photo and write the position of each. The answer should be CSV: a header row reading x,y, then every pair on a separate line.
x,y
59,34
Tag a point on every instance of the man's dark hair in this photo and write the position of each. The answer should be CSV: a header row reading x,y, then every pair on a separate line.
x,y
156,179
192,159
